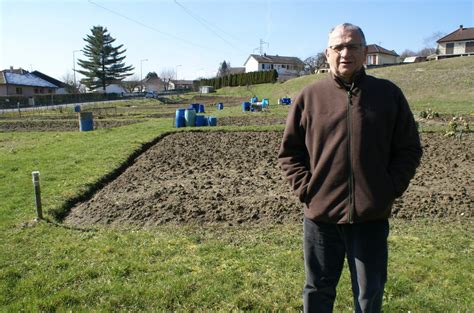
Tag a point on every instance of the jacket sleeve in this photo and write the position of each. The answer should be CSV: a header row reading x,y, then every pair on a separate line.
x,y
406,148
293,155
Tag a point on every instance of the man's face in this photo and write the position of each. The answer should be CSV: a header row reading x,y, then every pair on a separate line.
x,y
345,53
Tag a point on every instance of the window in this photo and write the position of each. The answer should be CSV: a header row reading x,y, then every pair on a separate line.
x,y
371,59
271,66
469,46
19,90
263,66
450,48
36,90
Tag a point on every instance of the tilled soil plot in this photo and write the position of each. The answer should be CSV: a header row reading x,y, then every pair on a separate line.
x,y
233,178
52,125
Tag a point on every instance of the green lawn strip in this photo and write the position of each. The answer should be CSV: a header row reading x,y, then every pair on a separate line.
x,y
218,268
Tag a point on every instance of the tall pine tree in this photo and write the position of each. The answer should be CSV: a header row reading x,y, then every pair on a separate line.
x,y
104,63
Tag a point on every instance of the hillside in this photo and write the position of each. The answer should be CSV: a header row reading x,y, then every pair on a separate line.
x,y
434,84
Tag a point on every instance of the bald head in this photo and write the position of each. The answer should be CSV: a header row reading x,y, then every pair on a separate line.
x,y
349,28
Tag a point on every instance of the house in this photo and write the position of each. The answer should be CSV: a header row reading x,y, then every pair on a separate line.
x,y
154,84
61,86
458,43
183,84
19,82
287,67
236,70
114,87
377,55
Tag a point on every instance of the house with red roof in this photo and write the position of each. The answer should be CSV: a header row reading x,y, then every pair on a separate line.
x,y
377,55
459,43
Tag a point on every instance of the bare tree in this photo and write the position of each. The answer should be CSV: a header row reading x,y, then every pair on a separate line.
x,y
132,84
71,86
431,45
407,53
315,62
167,75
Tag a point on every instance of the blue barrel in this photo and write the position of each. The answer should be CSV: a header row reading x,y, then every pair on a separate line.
x,y
220,106
77,108
86,122
190,117
245,106
179,119
201,120
212,121
194,106
265,103
200,108
254,99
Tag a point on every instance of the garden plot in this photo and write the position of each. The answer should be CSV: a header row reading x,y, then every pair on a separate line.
x,y
233,178
57,125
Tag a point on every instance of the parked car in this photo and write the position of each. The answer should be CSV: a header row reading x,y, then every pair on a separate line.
x,y
150,94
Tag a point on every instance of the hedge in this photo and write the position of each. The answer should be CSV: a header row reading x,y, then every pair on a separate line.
x,y
242,79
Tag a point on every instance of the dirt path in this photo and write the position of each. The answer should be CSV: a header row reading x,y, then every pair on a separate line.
x,y
234,178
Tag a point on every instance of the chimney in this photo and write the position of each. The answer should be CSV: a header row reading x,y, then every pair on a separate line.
x,y
11,69
460,26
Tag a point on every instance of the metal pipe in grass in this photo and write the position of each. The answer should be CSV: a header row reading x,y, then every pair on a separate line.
x,y
36,183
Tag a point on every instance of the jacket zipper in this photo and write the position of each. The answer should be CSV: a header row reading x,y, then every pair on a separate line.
x,y
349,155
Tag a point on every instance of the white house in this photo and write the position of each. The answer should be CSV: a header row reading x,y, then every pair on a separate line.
x,y
287,67
377,55
458,43
114,87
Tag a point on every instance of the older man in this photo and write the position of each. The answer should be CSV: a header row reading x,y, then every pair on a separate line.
x,y
350,147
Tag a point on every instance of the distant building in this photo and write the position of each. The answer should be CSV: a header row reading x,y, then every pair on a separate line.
x,y
183,84
287,67
414,59
377,55
61,86
236,70
458,43
206,89
114,87
19,82
154,84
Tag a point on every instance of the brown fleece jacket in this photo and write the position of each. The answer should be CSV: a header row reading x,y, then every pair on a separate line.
x,y
349,151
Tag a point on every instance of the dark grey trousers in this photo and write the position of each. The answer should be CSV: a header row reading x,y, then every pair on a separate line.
x,y
325,248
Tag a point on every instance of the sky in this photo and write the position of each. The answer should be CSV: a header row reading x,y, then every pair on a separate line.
x,y
193,37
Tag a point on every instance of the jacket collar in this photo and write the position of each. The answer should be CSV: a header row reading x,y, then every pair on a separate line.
x,y
358,77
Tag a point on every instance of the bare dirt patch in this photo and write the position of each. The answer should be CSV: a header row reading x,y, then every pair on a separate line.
x,y
233,178
55,125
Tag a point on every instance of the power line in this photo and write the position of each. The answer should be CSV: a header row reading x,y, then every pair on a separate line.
x,y
147,26
206,24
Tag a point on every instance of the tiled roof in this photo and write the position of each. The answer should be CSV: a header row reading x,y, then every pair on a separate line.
x,y
276,59
378,49
460,34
